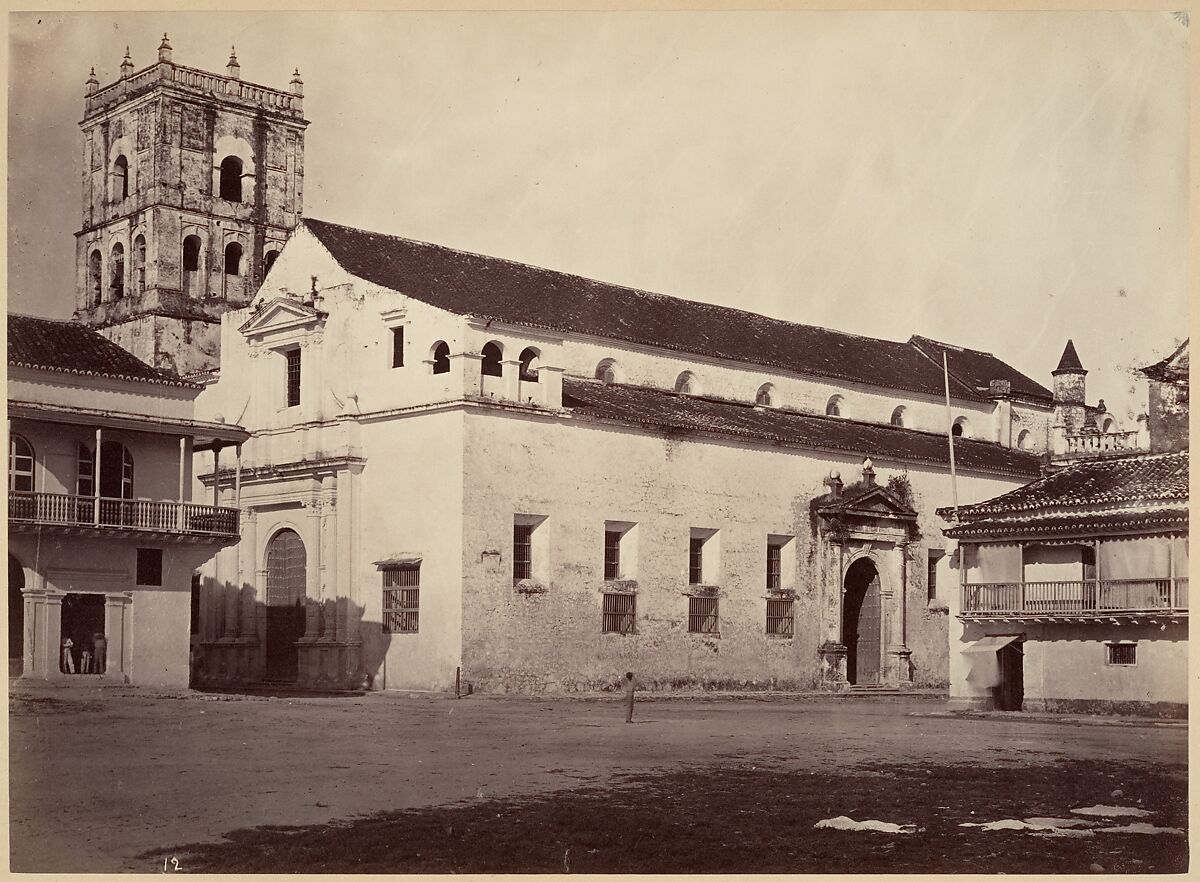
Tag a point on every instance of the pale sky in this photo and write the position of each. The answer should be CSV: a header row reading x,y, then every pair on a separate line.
x,y
1001,181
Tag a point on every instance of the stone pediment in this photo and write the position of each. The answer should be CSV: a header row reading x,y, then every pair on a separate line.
x,y
282,313
871,502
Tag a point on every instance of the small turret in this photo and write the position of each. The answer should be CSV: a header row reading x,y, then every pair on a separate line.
x,y
297,83
232,68
1069,383
92,83
164,49
126,64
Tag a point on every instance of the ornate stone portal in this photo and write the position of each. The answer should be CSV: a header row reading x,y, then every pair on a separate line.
x,y
863,534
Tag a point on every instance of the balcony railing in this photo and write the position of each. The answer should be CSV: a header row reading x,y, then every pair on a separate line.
x,y
1101,442
1084,598
60,509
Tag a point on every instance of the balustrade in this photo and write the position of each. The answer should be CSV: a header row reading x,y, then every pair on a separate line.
x,y
132,514
1074,597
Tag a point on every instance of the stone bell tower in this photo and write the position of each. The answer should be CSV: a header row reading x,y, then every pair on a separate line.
x,y
192,182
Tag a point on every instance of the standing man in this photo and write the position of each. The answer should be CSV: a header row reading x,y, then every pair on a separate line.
x,y
630,687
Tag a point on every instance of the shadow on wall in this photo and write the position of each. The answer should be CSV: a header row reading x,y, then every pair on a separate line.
x,y
287,639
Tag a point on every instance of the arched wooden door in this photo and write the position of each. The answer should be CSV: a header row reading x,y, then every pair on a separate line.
x,y
861,623
286,566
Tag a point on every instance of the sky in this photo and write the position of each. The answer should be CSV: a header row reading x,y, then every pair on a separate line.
x,y
1001,181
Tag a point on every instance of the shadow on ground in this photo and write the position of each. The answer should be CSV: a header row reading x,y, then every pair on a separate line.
x,y
741,818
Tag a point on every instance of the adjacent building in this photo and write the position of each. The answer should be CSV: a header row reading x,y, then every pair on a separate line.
x,y
103,535
1073,589
465,466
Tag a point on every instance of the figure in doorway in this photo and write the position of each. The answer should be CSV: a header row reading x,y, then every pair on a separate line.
x,y
68,659
99,651
85,656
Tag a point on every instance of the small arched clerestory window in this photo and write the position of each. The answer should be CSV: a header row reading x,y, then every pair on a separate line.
x,y
836,406
685,384
765,397
491,366
96,277
233,259
529,359
606,371
139,264
269,260
961,428
20,464
441,357
1025,439
231,179
898,416
120,187
116,280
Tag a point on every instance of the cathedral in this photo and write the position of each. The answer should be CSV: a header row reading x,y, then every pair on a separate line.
x,y
467,472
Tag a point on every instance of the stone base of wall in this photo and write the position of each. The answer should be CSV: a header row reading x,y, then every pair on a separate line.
x,y
328,664
1162,709
226,662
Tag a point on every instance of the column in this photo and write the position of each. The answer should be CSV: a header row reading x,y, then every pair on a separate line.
x,y
246,551
51,650
96,477
216,473
116,630
510,386
312,544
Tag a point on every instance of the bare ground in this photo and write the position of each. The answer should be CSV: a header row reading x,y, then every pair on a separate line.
x,y
125,780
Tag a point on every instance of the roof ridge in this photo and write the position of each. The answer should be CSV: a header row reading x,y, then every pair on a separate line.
x,y
642,291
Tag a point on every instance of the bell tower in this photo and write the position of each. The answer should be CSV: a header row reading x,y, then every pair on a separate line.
x,y
192,182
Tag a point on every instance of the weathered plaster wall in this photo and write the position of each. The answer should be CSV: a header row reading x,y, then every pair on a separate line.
x,y
553,640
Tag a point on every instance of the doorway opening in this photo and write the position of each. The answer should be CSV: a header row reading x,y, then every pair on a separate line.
x,y
83,645
1010,693
16,617
286,569
861,623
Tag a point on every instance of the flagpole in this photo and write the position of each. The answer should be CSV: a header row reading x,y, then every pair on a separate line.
x,y
950,435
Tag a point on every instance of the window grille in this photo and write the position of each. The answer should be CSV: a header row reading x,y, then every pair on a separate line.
x,y
1122,653
612,554
401,600
397,347
931,577
293,377
780,617
696,561
522,552
702,615
620,613
774,567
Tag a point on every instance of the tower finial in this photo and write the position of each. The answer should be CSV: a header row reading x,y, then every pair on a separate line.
x,y
164,48
297,83
126,64
92,83
233,68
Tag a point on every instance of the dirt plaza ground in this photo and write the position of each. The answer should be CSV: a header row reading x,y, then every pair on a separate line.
x,y
128,780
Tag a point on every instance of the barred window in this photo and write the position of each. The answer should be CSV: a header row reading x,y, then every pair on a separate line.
x,y
522,552
612,554
293,377
620,613
774,566
402,599
1122,653
702,615
780,618
935,555
696,561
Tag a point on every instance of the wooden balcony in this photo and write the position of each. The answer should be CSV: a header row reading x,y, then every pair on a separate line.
x,y
104,515
1073,601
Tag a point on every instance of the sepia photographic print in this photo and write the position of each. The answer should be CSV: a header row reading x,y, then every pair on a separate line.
x,y
598,442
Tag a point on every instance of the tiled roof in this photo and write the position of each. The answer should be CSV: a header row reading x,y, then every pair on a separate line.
x,y
1069,362
1074,523
75,349
515,293
1173,368
661,410
978,369
1110,481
